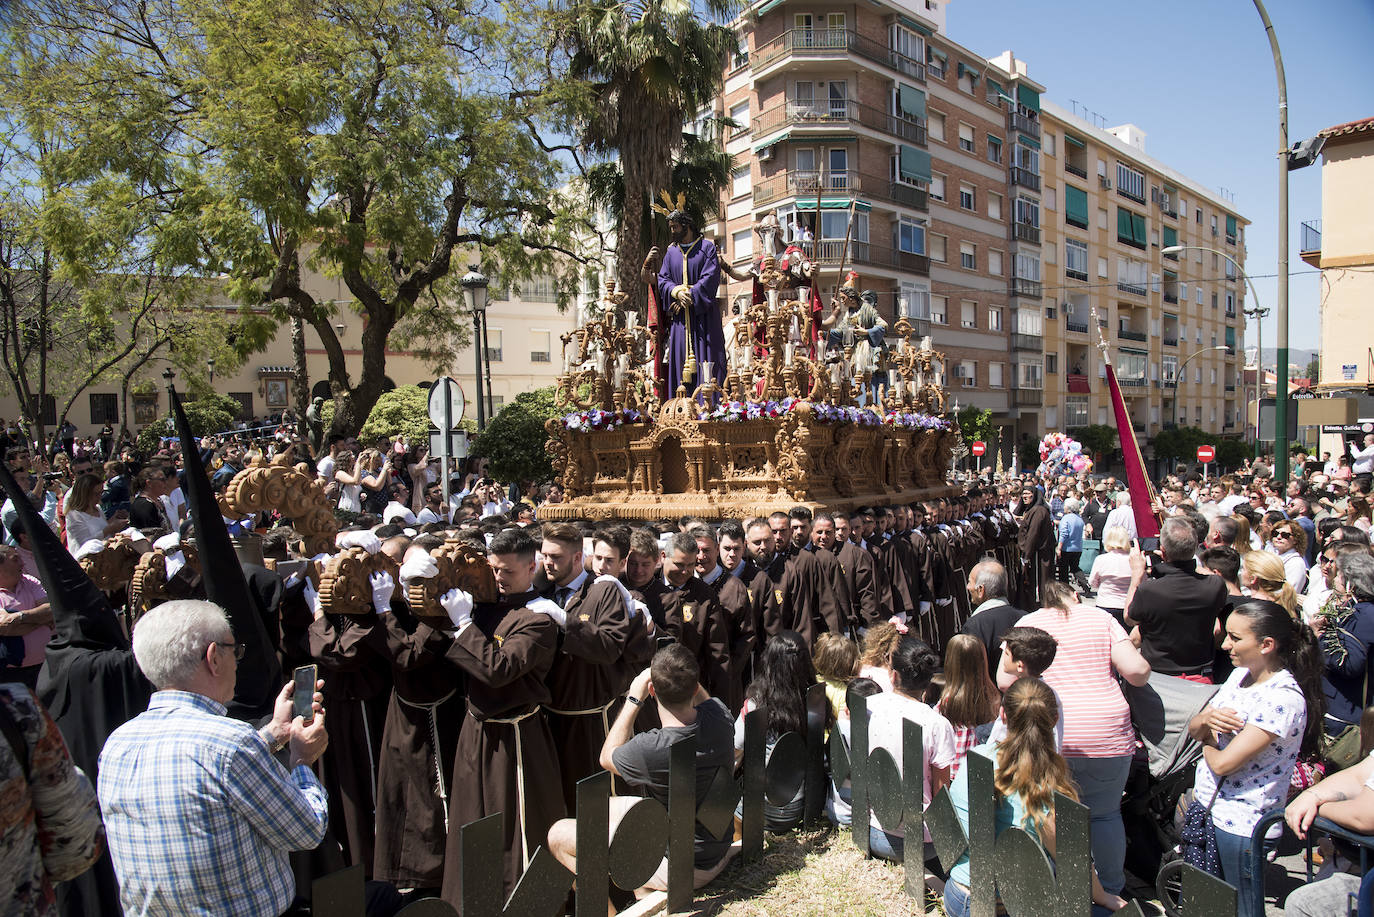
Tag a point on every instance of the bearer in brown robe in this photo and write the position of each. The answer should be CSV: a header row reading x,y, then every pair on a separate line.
x,y
506,648
585,680
352,656
832,608
419,741
856,567
732,597
690,613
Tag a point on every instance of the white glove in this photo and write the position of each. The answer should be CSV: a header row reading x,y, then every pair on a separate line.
x,y
313,599
93,546
360,539
418,567
925,608
641,608
383,587
550,608
458,605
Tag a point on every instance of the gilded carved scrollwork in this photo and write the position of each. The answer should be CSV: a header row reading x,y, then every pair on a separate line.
x,y
296,493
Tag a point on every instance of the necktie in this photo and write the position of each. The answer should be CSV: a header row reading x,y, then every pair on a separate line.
x,y
560,595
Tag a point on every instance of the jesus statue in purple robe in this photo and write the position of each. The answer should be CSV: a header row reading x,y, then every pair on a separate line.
x,y
686,289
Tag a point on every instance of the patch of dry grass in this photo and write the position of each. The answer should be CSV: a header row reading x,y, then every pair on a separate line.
x,y
816,873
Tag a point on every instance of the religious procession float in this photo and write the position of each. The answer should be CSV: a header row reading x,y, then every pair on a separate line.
x,y
787,402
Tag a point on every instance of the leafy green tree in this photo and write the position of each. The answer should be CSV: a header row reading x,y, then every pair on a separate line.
x,y
1099,441
85,296
270,144
1180,443
1314,368
1231,453
210,413
647,66
976,425
514,439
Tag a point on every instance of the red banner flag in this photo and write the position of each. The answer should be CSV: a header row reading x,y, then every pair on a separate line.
x,y
1142,493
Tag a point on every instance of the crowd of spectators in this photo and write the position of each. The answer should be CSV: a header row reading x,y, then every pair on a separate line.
x,y
969,616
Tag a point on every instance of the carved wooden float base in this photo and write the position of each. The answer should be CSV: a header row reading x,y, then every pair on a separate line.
x,y
679,465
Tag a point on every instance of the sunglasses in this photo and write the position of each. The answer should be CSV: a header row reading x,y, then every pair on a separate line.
x,y
1282,533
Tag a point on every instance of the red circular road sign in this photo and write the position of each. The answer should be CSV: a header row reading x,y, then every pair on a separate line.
x,y
979,448
1205,454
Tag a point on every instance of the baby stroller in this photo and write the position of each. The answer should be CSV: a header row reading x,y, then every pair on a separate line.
x,y
1163,770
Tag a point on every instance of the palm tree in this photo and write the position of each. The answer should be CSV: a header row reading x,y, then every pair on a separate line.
x,y
650,64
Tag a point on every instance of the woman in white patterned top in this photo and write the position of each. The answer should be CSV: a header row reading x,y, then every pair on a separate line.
x,y
1267,712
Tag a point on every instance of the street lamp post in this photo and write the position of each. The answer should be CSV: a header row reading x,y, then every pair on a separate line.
x,y
1184,365
475,292
210,365
1259,326
1281,369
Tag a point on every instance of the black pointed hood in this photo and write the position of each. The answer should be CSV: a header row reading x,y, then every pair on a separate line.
x,y
259,677
82,616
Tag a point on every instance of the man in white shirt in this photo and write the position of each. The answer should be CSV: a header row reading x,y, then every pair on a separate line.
x,y
1362,460
1123,516
328,462
398,510
434,509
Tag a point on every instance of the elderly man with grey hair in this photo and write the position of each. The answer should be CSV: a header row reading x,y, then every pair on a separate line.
x,y
198,813
1175,608
992,614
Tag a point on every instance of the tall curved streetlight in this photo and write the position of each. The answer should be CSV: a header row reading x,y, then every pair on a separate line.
x,y
475,292
1178,377
1259,325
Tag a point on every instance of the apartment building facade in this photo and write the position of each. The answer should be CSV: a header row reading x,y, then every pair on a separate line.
x,y
1338,243
957,175
1161,261
868,106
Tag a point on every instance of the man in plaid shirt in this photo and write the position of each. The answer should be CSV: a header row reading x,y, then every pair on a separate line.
x,y
199,815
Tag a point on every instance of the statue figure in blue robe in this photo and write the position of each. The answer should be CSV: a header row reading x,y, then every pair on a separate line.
x,y
685,290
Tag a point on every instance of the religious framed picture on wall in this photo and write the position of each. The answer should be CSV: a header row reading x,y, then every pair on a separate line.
x,y
276,393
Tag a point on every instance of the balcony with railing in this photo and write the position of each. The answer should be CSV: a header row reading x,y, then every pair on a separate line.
x,y
1025,232
1075,327
1310,247
1077,383
1027,397
1170,340
1135,289
1019,122
1074,169
810,44
1032,342
1025,178
839,112
829,252
1134,382
1020,286
809,182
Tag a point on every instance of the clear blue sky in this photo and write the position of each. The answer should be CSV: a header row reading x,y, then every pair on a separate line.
x,y
1198,77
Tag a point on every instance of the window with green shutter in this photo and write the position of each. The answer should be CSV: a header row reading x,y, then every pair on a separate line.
x,y
1130,228
1231,229
1076,206
913,101
913,164
1170,236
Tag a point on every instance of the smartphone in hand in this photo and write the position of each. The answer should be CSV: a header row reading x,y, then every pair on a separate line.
x,y
303,696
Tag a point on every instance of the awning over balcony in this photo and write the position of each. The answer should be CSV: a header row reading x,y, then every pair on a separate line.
x,y
915,26
914,163
810,138
1028,97
913,101
838,204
